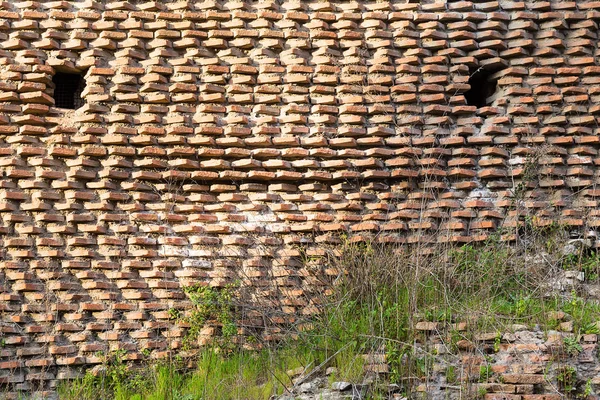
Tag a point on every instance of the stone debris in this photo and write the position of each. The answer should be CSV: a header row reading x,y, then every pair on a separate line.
x,y
521,365
341,386
319,388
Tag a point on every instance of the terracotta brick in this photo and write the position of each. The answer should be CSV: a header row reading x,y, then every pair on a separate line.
x,y
524,378
502,396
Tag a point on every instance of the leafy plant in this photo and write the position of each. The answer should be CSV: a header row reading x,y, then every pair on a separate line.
x,y
567,379
211,304
497,342
591,328
481,392
572,346
451,376
588,390
115,379
590,265
485,373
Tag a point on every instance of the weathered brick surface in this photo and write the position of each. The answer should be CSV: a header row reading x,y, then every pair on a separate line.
x,y
217,138
504,372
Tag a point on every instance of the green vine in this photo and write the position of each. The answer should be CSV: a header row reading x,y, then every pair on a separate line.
x,y
211,305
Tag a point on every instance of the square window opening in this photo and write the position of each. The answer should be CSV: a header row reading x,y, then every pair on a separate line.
x,y
483,86
68,89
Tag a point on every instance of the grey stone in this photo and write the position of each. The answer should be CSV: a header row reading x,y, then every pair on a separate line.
x,y
341,386
579,275
308,387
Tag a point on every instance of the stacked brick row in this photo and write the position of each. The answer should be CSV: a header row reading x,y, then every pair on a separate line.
x,y
230,141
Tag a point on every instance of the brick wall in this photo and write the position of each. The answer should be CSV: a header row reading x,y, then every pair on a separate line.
x,y
231,140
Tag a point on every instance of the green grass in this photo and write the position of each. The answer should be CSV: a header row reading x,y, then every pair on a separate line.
x,y
244,374
382,294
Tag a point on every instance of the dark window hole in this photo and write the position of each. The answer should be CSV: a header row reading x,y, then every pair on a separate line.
x,y
482,87
68,89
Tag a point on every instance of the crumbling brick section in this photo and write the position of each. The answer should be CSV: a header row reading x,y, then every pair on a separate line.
x,y
226,141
